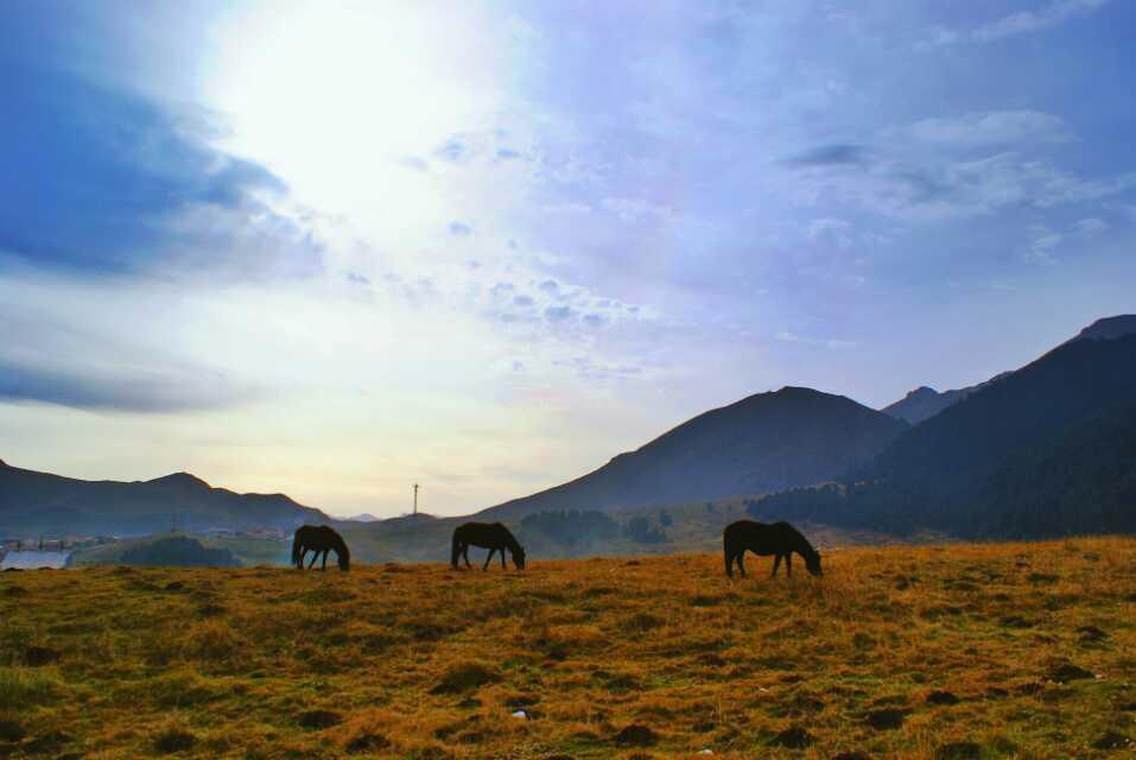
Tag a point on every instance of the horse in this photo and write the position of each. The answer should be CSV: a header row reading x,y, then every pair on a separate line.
x,y
319,539
493,536
779,539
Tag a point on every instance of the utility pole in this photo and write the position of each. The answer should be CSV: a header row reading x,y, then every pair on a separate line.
x,y
415,498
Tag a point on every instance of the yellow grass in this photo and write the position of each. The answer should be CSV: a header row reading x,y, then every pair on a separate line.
x,y
422,662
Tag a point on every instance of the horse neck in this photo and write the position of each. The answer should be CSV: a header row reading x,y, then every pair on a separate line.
x,y
801,545
510,542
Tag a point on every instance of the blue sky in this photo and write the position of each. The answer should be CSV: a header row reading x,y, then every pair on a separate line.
x,y
333,248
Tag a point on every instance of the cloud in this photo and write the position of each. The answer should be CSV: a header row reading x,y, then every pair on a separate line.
x,y
161,389
1024,22
831,231
1044,244
460,229
61,348
453,150
985,129
558,313
921,186
785,336
96,179
1047,16
838,154
1090,226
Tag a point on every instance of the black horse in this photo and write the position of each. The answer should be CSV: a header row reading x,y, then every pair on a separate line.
x,y
779,539
319,539
492,536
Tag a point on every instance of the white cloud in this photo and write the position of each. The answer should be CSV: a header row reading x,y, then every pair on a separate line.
x,y
986,128
1047,16
1024,22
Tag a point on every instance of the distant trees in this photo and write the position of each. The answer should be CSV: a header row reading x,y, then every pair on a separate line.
x,y
178,551
641,531
579,530
572,528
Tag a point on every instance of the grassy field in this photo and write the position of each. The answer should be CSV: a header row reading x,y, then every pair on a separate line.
x,y
957,651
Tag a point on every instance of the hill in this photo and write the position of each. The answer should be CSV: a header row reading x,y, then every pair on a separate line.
x,y
956,651
156,551
33,503
1044,451
766,442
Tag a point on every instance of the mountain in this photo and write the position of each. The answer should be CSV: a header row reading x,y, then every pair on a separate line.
x,y
1109,328
921,403
33,503
1040,452
766,442
925,402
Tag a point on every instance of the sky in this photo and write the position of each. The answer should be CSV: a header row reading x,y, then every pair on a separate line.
x,y
331,249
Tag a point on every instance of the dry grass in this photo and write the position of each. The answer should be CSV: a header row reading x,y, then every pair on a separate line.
x,y
604,655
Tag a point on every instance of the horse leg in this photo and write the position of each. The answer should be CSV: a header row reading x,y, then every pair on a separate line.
x,y
503,565
729,564
324,565
776,564
789,564
741,558
487,559
300,559
315,556
465,553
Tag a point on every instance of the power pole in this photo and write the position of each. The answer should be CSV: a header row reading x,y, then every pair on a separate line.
x,y
415,498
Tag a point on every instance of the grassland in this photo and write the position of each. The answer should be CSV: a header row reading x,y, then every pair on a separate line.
x,y
955,651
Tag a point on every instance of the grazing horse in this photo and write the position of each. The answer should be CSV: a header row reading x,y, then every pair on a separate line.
x,y
492,536
319,539
779,539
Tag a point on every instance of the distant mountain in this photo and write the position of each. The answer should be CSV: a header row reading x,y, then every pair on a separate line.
x,y
1045,450
925,402
766,442
363,517
921,403
33,503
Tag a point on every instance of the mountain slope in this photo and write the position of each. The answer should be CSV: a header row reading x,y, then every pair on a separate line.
x,y
766,442
37,502
1109,328
1015,458
925,402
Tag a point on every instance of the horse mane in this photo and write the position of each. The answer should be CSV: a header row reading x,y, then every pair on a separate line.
x,y
510,539
806,549
340,545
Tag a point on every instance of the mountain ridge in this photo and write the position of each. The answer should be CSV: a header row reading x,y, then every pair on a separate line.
x,y
42,502
763,442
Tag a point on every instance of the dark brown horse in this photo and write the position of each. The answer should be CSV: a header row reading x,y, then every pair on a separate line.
x,y
779,539
492,536
319,539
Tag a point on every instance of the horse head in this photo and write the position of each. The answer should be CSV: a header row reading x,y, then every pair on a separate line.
x,y
519,557
812,563
344,557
